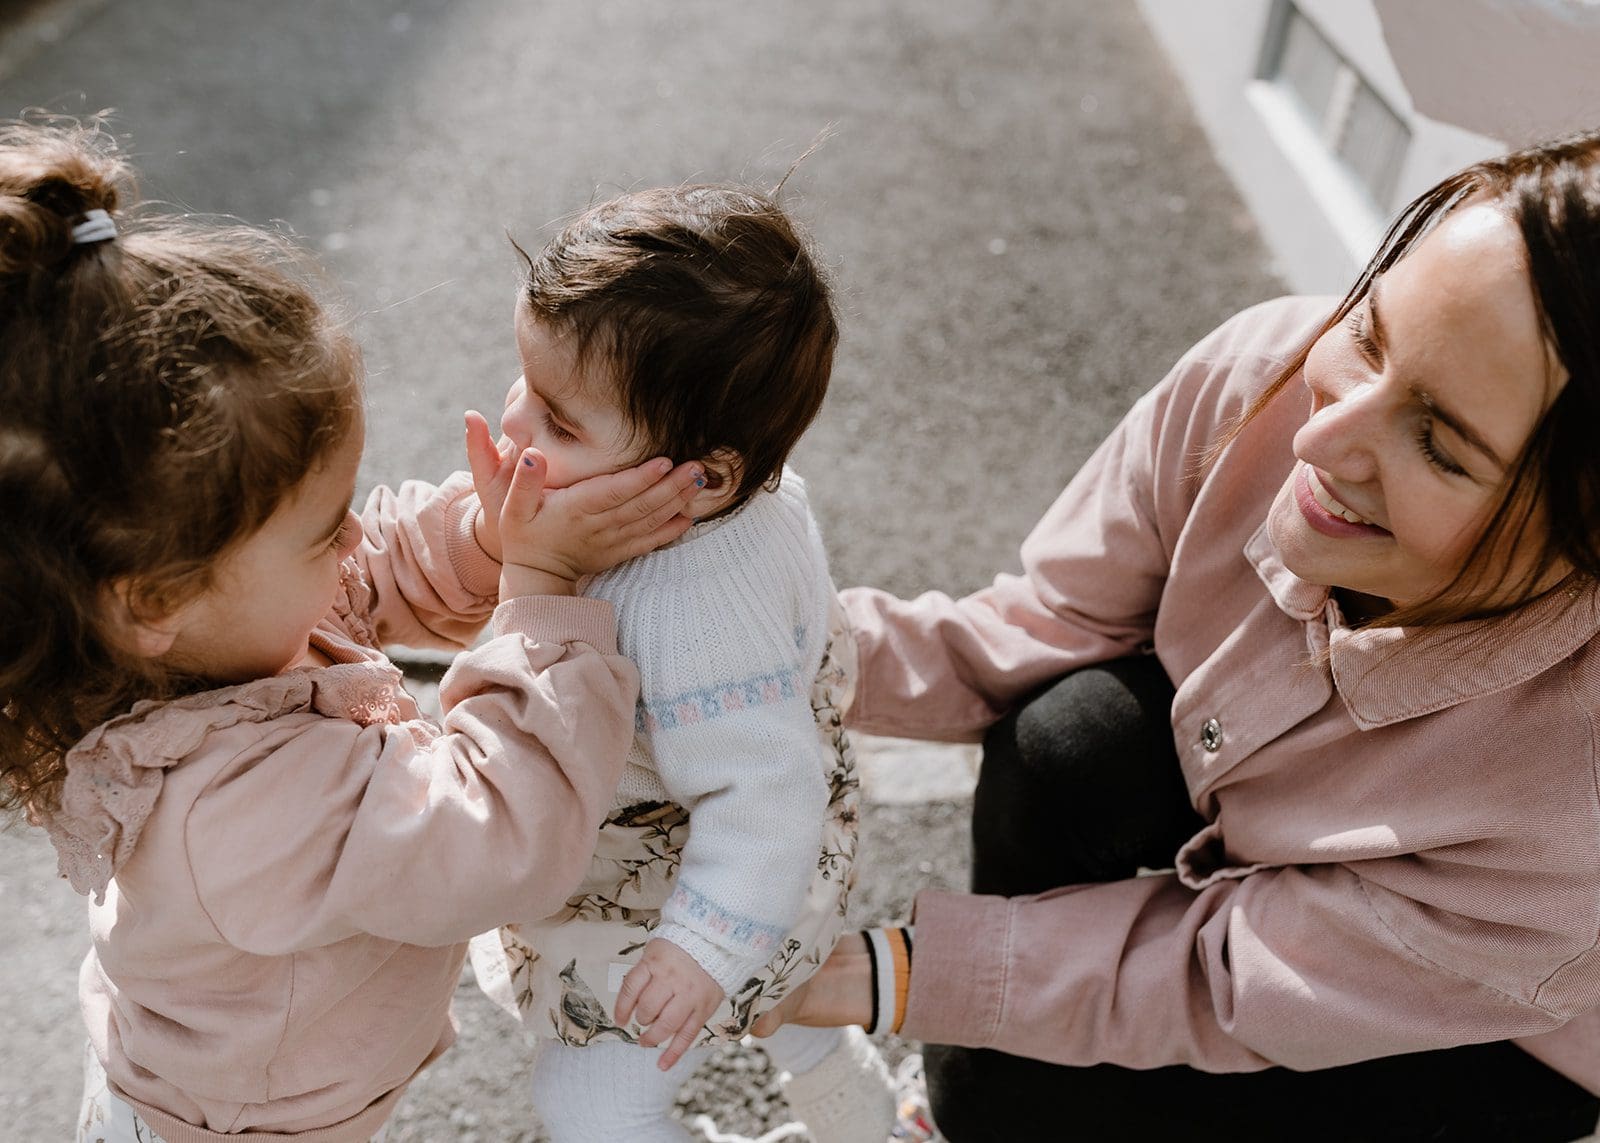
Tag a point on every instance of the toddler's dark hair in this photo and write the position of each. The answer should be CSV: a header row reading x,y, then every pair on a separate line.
x,y
708,312
160,394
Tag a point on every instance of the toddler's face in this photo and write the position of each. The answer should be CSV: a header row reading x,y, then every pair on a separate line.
x,y
569,414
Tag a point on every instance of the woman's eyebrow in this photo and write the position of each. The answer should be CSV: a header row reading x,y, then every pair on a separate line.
x,y
1456,425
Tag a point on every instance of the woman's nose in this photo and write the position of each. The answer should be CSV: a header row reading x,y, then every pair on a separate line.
x,y
1340,433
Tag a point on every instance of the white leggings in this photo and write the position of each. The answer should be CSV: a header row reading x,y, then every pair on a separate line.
x,y
606,1092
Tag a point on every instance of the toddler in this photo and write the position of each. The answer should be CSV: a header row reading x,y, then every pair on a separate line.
x,y
693,322
285,859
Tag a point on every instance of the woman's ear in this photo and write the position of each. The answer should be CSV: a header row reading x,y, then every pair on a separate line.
x,y
723,471
135,626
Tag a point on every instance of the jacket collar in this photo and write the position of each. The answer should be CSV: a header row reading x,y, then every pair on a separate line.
x,y
1389,674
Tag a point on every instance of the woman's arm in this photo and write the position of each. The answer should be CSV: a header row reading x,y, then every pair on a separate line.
x,y
1094,568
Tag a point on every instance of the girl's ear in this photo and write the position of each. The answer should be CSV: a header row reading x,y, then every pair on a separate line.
x,y
134,627
723,470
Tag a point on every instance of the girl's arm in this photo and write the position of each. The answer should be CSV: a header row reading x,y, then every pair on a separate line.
x,y
1094,568
326,829
431,582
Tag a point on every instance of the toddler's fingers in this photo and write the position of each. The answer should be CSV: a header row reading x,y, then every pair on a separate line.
x,y
675,1013
681,1042
633,985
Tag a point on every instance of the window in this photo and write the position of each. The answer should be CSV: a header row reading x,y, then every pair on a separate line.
x,y
1347,116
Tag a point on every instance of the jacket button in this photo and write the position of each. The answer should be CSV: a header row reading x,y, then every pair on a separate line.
x,y
1211,735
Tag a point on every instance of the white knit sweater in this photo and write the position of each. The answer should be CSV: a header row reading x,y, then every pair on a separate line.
x,y
727,626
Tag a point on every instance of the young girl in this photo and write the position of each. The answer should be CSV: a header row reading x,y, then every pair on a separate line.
x,y
692,322
285,859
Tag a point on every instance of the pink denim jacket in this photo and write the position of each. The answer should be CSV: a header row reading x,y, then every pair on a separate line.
x,y
286,872
1403,848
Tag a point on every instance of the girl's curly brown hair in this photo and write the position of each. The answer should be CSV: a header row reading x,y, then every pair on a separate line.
x,y
160,394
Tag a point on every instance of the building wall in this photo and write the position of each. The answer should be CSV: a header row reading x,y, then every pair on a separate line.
x,y
1319,221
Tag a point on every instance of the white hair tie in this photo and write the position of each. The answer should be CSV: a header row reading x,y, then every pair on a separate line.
x,y
95,227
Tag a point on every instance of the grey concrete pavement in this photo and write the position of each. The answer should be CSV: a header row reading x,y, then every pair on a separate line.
x,y
1024,224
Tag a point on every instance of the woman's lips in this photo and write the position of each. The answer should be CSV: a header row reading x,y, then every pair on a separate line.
x,y
1319,517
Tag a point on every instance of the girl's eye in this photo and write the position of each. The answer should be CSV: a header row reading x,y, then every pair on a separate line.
x,y
557,431
341,537
1424,435
1356,323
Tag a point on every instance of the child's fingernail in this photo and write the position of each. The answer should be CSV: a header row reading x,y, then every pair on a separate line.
x,y
663,466
527,460
699,480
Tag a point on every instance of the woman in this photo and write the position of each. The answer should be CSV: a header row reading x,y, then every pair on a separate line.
x,y
1363,548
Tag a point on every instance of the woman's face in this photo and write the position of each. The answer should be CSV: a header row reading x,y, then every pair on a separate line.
x,y
1421,399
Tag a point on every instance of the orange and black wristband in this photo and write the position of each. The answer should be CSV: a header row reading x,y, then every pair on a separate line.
x,y
889,953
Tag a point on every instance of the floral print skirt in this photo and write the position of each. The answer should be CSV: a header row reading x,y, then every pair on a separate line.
x,y
560,977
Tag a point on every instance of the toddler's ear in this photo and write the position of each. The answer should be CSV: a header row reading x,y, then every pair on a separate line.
x,y
133,626
723,470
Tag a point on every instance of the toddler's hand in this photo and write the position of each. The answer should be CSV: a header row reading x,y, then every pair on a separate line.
x,y
671,996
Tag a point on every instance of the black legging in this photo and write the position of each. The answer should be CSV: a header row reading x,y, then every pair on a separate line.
x,y
1082,784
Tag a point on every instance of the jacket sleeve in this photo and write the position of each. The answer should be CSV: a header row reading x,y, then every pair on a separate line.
x,y
1299,966
329,829
432,584
1094,567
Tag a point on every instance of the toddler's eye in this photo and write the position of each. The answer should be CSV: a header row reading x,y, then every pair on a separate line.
x,y
557,431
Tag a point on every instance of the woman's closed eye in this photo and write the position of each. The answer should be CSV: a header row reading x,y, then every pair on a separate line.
x,y
1431,451
1356,323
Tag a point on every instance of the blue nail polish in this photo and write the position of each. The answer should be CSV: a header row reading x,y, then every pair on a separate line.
x,y
528,460
699,482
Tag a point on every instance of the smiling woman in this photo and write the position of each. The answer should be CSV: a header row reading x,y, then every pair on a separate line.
x,y
1362,541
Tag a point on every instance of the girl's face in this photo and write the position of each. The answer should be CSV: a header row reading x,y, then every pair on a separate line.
x,y
569,414
1420,400
269,591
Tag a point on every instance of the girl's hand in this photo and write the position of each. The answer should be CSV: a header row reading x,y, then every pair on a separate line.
x,y
671,996
492,465
553,538
839,993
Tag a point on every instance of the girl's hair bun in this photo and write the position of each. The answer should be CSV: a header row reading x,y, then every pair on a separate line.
x,y
50,176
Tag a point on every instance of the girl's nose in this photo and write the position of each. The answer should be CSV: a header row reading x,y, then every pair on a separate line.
x,y
353,534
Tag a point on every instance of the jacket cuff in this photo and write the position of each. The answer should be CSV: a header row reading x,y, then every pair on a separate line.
x,y
478,571
966,938
559,619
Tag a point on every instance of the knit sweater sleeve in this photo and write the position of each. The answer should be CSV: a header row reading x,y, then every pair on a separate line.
x,y
727,632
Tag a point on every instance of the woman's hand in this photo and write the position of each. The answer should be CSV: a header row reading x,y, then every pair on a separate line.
x,y
839,993
671,995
